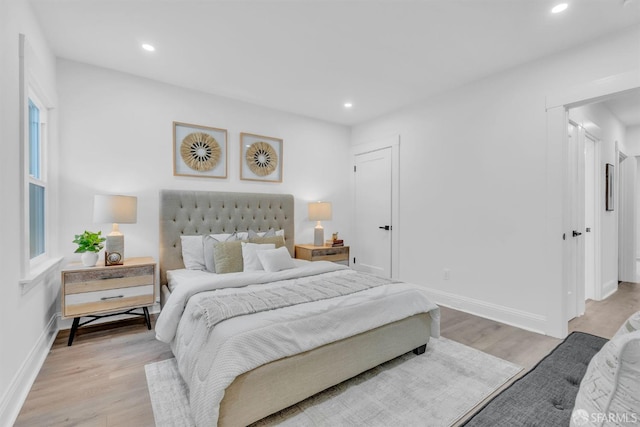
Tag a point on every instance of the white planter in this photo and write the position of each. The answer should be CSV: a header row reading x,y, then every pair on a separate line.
x,y
89,259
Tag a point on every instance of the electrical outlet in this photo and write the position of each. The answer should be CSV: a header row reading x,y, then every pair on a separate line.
x,y
447,274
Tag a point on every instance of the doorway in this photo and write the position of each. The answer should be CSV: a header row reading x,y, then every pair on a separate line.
x,y
376,207
373,228
559,212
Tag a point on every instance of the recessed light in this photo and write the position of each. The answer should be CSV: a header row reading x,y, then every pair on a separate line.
x,y
148,47
348,105
559,8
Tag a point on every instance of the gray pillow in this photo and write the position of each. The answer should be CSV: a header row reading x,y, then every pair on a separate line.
x,y
228,257
254,235
277,240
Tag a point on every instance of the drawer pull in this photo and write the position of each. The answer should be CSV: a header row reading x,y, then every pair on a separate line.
x,y
112,277
114,297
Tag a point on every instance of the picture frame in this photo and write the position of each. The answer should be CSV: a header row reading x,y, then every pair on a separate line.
x,y
609,182
261,158
199,151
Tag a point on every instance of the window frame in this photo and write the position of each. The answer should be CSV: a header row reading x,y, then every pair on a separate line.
x,y
42,181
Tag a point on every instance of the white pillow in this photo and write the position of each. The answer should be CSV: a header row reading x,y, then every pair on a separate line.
x,y
209,243
632,324
249,255
610,385
276,259
192,253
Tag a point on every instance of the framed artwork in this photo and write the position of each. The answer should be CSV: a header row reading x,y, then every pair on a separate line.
x,y
260,158
199,151
609,174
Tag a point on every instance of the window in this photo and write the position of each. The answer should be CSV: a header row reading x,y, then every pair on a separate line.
x,y
38,261
37,179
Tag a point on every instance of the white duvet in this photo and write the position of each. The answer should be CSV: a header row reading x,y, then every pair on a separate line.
x,y
210,359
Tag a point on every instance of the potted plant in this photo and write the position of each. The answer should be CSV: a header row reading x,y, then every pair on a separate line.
x,y
89,244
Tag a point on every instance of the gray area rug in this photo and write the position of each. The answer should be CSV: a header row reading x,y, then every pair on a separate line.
x,y
436,388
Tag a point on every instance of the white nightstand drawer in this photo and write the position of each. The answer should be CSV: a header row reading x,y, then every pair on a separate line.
x,y
108,300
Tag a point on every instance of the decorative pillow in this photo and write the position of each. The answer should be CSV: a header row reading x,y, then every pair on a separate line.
x,y
610,385
250,257
192,254
228,257
275,259
209,242
272,232
632,324
276,240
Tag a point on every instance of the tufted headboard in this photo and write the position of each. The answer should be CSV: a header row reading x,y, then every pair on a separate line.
x,y
213,212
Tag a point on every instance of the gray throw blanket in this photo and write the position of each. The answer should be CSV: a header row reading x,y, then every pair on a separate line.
x,y
215,309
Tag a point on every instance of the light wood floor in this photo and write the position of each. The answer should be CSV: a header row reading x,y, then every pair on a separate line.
x,y
100,380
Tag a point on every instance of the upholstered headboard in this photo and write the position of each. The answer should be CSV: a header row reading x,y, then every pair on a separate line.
x,y
212,212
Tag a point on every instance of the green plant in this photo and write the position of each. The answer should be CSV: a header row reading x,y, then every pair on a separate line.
x,y
89,242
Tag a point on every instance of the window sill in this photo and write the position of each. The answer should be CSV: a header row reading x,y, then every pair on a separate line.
x,y
39,274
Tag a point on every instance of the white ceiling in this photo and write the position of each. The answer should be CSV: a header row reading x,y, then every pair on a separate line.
x,y
311,56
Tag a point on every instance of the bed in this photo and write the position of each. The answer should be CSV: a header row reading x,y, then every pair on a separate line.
x,y
247,367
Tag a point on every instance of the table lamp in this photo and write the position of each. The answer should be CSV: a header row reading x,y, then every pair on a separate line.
x,y
319,211
116,210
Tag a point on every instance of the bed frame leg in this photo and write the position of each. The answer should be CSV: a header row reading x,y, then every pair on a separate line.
x,y
420,349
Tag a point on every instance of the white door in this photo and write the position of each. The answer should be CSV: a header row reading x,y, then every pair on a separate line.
x,y
575,297
590,205
373,222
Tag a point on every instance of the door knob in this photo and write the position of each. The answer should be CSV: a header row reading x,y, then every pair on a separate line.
x,y
384,227
576,234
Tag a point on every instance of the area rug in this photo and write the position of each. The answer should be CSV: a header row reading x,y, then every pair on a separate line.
x,y
436,388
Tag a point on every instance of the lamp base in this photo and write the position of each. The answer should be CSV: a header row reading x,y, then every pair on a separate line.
x,y
114,250
318,236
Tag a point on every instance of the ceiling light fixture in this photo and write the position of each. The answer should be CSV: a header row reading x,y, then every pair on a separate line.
x,y
148,47
348,105
560,8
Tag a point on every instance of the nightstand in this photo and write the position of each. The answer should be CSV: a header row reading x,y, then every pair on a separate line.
x,y
98,292
339,254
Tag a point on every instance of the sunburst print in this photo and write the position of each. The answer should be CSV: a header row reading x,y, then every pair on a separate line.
x,y
261,158
200,151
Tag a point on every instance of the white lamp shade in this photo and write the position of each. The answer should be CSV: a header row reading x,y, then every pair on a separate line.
x,y
115,209
320,211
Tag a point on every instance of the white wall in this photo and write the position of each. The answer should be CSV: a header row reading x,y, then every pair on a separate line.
x,y
473,183
25,320
116,137
632,138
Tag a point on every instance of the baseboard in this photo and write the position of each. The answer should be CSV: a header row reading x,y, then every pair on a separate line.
x,y
22,381
609,289
518,318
